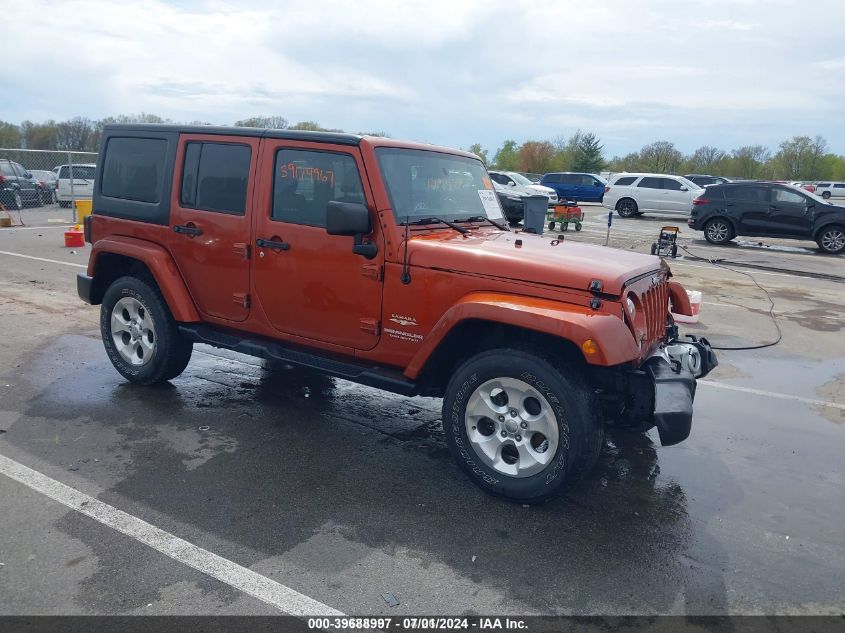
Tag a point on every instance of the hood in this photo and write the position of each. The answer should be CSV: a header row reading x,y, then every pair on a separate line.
x,y
540,189
566,265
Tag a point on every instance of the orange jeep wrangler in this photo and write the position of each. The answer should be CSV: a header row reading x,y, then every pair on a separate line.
x,y
387,263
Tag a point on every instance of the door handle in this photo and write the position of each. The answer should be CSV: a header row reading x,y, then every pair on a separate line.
x,y
275,243
190,229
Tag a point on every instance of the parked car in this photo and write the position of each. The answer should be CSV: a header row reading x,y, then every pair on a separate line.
x,y
48,181
575,186
17,186
83,182
520,183
804,185
829,190
512,201
374,260
766,209
703,180
535,178
635,194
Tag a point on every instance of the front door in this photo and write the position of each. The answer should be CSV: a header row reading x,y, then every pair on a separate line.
x,y
674,199
210,214
649,194
309,283
790,214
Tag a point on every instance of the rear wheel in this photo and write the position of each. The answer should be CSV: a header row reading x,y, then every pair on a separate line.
x,y
17,201
831,240
139,333
520,425
626,208
718,231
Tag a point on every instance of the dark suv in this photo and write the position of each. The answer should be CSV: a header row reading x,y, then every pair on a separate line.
x,y
768,209
17,186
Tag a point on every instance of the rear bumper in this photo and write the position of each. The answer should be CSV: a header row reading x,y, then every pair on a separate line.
x,y
84,285
670,377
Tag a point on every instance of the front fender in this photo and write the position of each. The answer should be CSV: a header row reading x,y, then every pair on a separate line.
x,y
160,264
615,344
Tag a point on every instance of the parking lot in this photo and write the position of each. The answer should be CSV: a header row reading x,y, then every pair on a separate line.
x,y
316,489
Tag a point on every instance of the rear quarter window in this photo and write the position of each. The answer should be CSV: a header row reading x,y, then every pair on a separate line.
x,y
624,181
134,169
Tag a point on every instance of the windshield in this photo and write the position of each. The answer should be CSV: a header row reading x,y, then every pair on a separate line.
x,y
689,184
520,179
423,184
811,195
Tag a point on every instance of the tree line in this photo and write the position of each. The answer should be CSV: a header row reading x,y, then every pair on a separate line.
x,y
81,134
797,158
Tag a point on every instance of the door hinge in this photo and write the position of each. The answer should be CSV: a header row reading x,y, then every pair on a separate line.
x,y
241,298
373,326
373,271
239,248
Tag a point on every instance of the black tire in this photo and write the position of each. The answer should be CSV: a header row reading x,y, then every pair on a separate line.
x,y
831,239
719,231
674,250
572,404
172,351
15,200
627,207
578,226
654,248
826,195
551,226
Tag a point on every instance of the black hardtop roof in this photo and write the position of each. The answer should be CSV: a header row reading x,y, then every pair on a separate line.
x,y
339,138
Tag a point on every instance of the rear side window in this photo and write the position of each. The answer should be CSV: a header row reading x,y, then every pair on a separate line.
x,y
670,184
133,169
749,194
823,184
6,168
625,181
215,176
571,179
304,182
650,183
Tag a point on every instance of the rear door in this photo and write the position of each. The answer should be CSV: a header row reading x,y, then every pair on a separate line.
x,y
309,283
790,214
649,193
748,206
210,215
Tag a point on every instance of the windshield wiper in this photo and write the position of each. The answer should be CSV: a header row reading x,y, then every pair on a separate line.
x,y
452,225
482,218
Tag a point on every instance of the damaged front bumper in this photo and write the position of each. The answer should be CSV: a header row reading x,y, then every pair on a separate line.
x,y
662,390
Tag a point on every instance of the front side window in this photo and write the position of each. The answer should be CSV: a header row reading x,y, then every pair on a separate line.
x,y
215,177
650,183
305,181
790,197
425,184
133,169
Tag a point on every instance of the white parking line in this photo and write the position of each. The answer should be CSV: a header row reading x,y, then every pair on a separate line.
x,y
254,584
772,394
43,259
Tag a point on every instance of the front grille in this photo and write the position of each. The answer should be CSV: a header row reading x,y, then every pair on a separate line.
x,y
654,299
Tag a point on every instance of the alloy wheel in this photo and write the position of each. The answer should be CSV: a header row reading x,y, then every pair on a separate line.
x,y
833,240
133,331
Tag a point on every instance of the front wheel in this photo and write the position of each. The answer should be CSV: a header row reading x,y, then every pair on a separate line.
x,y
519,425
826,195
718,231
831,240
139,333
626,208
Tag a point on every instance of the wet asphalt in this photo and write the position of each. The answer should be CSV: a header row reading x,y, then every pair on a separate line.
x,y
343,492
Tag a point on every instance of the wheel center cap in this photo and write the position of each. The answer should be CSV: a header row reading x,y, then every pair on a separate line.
x,y
512,426
135,331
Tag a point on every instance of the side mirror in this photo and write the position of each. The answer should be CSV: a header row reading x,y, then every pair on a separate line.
x,y
511,184
684,188
347,218
351,218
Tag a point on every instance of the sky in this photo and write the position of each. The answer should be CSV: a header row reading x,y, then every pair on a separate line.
x,y
452,72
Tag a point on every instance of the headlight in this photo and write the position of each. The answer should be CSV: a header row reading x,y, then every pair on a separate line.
x,y
632,309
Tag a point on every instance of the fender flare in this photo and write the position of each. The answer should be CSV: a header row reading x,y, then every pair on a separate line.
x,y
614,341
680,299
160,264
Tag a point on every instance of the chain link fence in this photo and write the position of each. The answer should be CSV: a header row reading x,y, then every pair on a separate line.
x,y
45,180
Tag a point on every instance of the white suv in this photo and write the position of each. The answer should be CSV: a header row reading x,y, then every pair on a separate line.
x,y
634,194
828,190
83,182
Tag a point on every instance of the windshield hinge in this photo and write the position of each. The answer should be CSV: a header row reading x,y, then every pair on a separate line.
x,y
373,271
372,326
